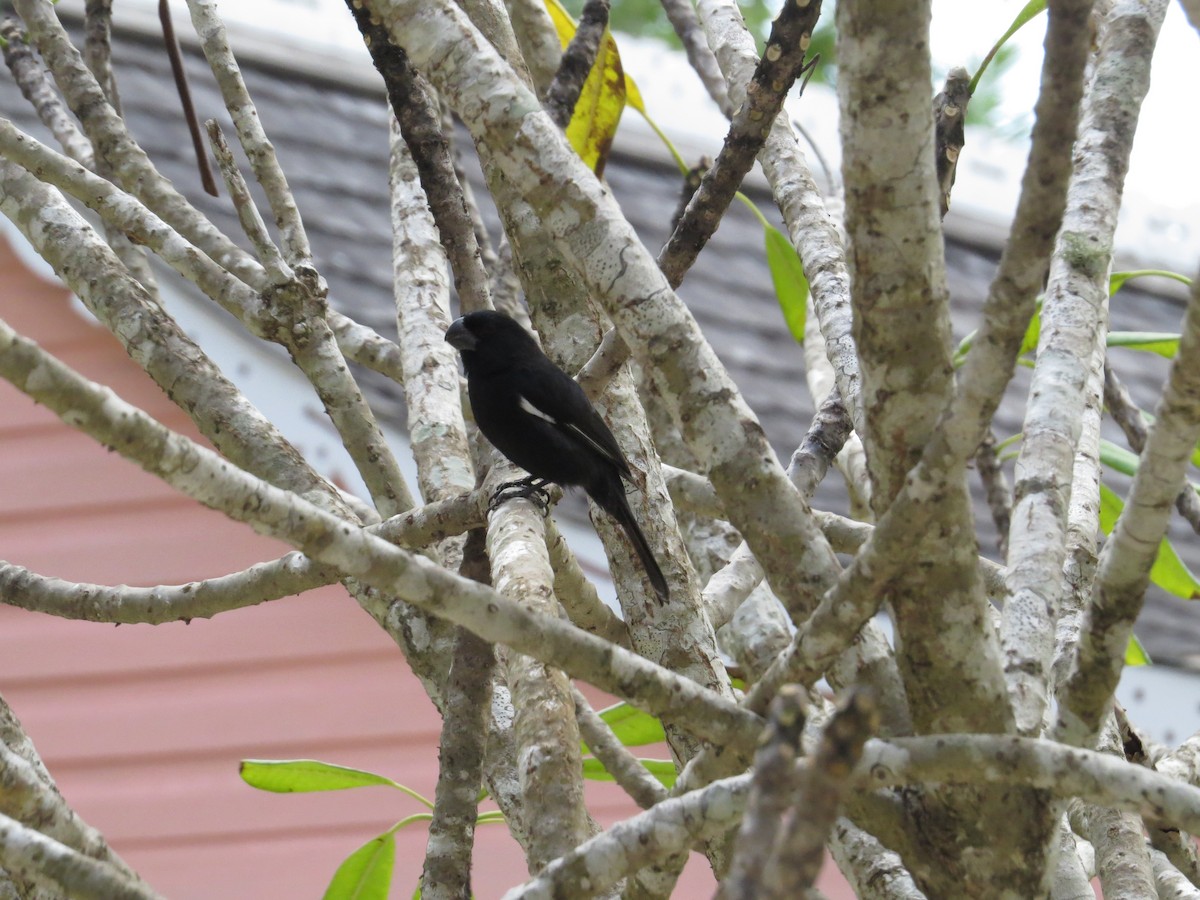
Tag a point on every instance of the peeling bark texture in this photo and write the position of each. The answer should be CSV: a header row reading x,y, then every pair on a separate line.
x,y
416,109
799,848
769,796
956,758
1080,268
468,693
549,761
901,312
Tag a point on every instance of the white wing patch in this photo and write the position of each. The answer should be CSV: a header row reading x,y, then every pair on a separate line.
x,y
534,411
574,429
607,454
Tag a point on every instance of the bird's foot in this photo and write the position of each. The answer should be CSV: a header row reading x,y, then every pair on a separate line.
x,y
531,488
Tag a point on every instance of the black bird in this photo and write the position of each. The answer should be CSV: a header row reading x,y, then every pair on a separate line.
x,y
536,415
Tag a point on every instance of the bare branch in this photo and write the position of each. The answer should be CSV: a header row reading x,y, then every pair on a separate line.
x,y
781,64
1126,414
131,167
578,595
1171,884
545,728
630,774
283,577
770,795
683,18
30,854
577,61
259,151
1082,263
809,224
531,154
799,849
175,54
38,88
416,109
213,481
996,489
468,694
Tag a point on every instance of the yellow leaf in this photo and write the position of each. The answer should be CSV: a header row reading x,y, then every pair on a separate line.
x,y
602,100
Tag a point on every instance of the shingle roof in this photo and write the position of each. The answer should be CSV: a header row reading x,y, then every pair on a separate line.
x,y
332,142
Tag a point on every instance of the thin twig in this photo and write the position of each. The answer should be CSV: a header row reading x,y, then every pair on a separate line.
x,y
770,795
782,62
630,774
996,489
1127,415
175,55
246,122
412,100
576,63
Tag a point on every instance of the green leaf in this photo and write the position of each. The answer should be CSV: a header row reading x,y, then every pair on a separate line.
x,y
1125,461
1168,571
366,874
290,776
1118,458
1135,653
1031,9
662,769
1117,279
1165,345
963,348
633,727
1028,343
787,274
1033,331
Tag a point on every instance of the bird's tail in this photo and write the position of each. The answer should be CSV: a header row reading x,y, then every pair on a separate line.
x,y
614,503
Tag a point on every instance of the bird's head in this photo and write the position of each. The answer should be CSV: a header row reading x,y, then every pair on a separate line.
x,y
490,336
460,337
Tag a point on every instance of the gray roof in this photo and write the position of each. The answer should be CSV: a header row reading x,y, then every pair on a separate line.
x,y
332,141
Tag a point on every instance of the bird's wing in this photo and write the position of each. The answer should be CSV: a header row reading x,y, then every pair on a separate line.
x,y
557,399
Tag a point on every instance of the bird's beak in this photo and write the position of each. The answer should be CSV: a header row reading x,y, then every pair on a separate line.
x,y
458,337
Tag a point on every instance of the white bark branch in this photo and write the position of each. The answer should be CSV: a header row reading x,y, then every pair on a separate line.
x,y
211,480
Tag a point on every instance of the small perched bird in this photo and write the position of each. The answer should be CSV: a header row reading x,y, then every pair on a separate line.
x,y
536,415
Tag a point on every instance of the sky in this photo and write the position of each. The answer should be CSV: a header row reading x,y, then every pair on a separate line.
x,y
1163,186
